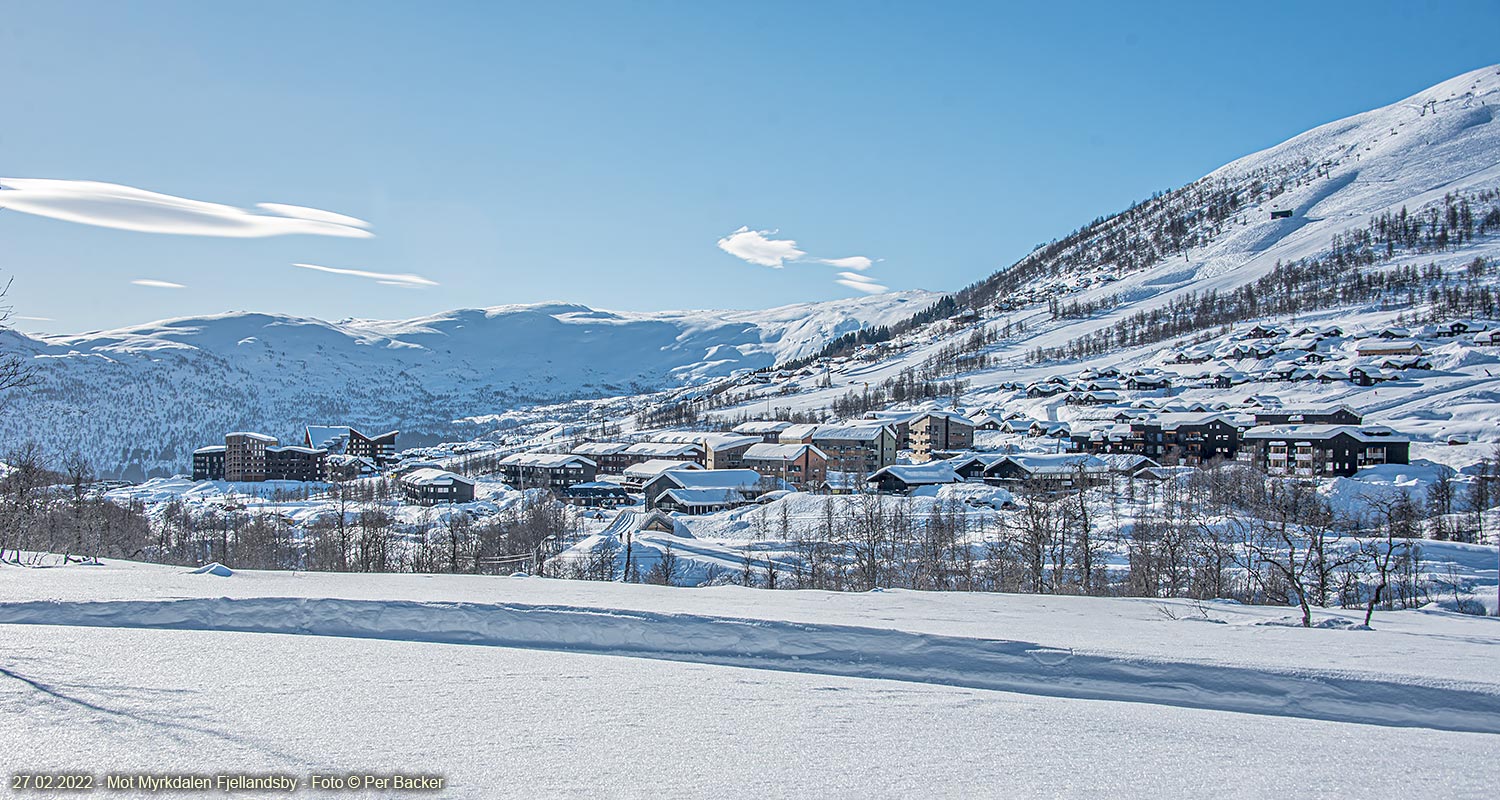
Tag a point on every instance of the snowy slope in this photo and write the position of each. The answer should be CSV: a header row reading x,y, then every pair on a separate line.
x,y
1410,154
148,395
526,686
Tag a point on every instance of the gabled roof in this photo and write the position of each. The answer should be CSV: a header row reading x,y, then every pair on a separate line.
x,y
1360,433
729,441
665,449
434,477
712,478
1054,464
951,416
800,431
1172,420
1128,462
656,466
544,460
324,435
704,497
780,452
762,426
918,474
858,433
600,448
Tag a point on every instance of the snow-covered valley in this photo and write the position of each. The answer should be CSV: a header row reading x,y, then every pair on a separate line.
x,y
723,689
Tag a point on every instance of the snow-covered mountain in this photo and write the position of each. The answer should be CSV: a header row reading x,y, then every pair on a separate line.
x,y
139,399
1347,224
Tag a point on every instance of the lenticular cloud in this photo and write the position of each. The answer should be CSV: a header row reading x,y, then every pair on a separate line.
x,y
111,205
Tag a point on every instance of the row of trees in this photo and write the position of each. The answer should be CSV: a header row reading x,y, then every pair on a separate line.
x,y
1223,532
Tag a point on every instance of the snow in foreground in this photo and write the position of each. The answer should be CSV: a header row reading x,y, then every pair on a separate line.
x,y
531,687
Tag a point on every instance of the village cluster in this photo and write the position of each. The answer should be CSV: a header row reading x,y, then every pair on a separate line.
x,y
1131,424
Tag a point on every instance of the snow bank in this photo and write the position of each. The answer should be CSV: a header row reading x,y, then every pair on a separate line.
x,y
851,651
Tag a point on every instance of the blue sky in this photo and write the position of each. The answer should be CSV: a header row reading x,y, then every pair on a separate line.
x,y
597,153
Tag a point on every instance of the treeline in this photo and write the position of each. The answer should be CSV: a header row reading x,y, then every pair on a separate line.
x,y
1298,287
360,527
1340,277
1165,224
59,511
904,387
1224,532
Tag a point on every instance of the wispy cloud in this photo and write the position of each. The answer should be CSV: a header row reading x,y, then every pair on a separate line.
x,y
852,262
156,284
757,247
859,282
36,319
406,280
112,205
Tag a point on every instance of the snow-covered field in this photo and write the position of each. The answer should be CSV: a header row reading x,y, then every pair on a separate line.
x,y
536,687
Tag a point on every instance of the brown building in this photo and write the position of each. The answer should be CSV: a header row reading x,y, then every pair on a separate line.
x,y
934,431
245,455
860,449
253,457
802,465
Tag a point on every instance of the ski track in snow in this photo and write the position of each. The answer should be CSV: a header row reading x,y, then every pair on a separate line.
x,y
836,650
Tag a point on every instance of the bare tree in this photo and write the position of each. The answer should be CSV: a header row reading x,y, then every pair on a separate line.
x,y
16,371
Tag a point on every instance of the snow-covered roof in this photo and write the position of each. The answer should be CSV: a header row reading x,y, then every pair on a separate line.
x,y
918,474
668,449
656,466
709,439
727,441
780,452
1057,463
799,431
858,433
1172,420
434,477
704,497
251,435
544,460
1128,462
714,478
762,426
600,448
323,435
296,448
1361,433
213,448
